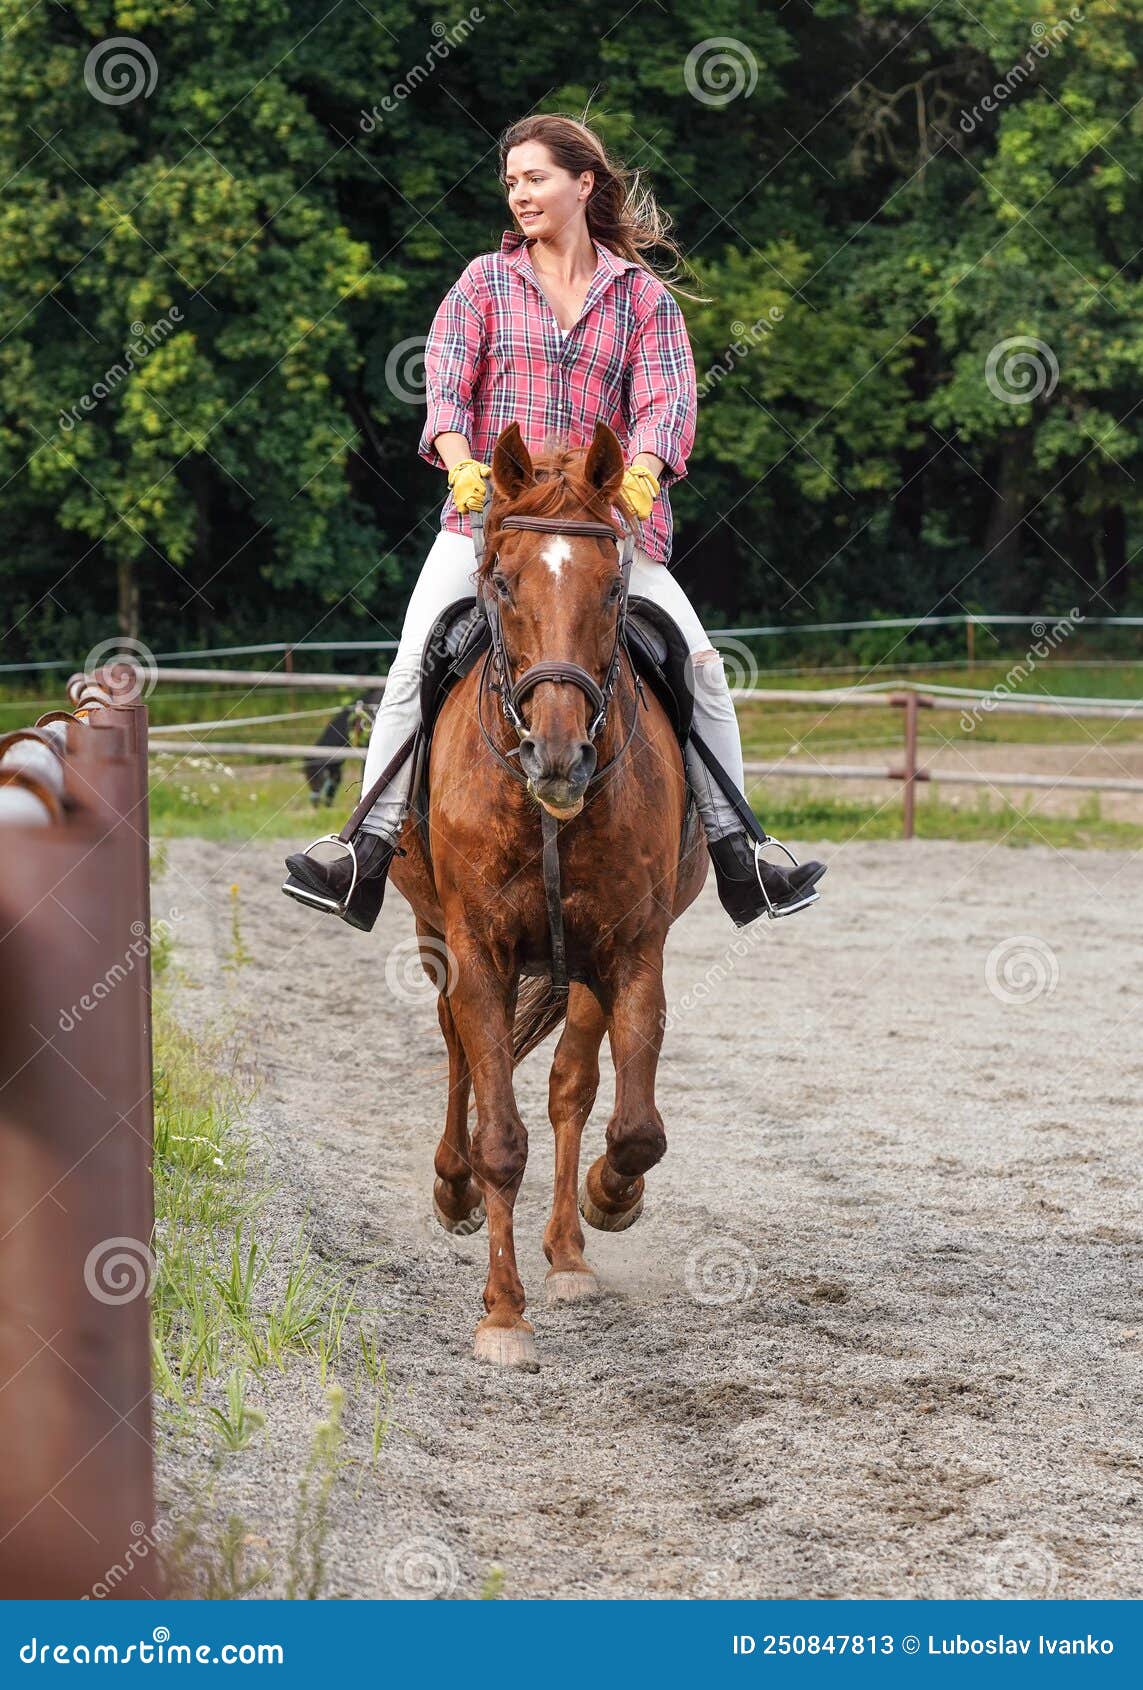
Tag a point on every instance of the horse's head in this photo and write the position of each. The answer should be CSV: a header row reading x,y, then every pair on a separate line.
x,y
558,599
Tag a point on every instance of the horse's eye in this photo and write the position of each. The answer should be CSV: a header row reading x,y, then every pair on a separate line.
x,y
615,590
501,586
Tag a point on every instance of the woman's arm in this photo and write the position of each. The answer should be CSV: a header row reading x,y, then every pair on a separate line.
x,y
649,461
659,402
452,449
454,352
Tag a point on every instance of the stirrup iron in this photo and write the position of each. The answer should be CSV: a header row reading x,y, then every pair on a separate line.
x,y
316,900
775,912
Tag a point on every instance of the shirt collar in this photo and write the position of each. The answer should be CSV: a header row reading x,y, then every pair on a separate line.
x,y
513,244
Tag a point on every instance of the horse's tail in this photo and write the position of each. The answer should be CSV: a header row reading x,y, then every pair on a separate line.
x,y
539,1011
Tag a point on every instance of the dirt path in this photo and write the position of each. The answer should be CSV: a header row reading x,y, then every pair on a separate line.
x,y
879,1330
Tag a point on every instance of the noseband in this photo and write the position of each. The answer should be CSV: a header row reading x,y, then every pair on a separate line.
x,y
513,694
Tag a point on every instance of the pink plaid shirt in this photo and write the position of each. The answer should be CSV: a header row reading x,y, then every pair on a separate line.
x,y
495,355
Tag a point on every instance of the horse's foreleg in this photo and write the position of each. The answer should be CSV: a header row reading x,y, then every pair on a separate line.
x,y
612,1196
571,1094
457,1201
481,1004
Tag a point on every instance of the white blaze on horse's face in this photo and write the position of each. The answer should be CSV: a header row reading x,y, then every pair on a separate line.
x,y
555,554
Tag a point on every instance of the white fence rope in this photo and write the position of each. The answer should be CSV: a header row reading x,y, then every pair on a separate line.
x,y
961,619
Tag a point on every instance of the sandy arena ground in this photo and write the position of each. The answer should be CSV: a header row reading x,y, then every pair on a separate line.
x,y
879,1329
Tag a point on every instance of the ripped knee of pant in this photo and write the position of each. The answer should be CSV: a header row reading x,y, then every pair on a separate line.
x,y
710,679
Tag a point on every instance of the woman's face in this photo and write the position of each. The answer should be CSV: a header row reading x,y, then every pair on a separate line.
x,y
543,197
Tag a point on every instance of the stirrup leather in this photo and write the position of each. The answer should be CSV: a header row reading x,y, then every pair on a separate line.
x,y
304,895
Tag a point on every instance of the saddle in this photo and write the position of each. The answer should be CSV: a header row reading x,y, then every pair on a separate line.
x,y
653,640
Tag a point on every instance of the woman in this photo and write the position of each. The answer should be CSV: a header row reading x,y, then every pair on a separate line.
x,y
564,326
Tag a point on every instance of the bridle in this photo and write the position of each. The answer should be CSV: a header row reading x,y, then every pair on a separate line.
x,y
513,693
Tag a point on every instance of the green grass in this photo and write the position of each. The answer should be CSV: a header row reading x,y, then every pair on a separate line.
x,y
234,1304
981,816
217,1308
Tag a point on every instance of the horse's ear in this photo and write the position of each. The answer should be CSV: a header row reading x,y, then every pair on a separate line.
x,y
512,468
603,466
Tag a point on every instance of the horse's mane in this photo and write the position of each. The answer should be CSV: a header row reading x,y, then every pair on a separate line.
x,y
561,489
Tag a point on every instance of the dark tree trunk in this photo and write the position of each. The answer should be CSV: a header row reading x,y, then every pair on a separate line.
x,y
128,600
1004,534
1081,546
912,500
202,567
1116,564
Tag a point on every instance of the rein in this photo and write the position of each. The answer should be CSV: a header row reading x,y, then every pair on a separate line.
x,y
512,696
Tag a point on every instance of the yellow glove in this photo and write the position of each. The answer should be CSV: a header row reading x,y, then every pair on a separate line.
x,y
640,488
468,484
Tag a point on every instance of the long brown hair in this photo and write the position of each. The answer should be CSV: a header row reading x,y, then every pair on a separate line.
x,y
622,212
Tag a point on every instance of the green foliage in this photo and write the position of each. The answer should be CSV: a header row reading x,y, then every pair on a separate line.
x,y
201,288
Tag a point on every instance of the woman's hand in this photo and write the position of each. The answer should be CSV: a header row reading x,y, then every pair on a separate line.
x,y
640,488
467,480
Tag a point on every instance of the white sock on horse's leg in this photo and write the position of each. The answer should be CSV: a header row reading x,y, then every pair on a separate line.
x,y
716,721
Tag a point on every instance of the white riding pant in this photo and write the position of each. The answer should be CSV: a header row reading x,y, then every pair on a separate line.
x,y
449,574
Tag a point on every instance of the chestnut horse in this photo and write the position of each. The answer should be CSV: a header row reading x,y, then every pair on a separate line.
x,y
632,856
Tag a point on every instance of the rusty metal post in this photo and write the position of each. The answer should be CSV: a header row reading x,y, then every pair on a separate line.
x,y
76,1495
910,702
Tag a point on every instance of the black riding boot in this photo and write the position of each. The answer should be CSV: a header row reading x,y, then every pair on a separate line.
x,y
749,887
350,887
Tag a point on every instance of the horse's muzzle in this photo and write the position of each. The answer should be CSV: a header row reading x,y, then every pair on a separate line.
x,y
558,775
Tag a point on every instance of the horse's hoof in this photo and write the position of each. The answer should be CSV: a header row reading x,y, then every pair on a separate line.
x,y
506,1346
602,1219
466,1226
576,1287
